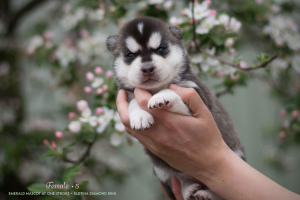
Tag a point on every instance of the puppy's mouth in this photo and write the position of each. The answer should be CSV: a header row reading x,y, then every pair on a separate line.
x,y
149,80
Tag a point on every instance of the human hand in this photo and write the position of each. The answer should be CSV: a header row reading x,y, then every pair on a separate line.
x,y
176,189
191,144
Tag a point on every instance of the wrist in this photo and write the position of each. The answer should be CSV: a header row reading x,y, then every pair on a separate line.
x,y
211,172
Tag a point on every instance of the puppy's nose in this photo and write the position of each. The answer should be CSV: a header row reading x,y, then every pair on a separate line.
x,y
148,70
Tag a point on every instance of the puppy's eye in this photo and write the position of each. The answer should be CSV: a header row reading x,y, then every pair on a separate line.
x,y
130,55
160,50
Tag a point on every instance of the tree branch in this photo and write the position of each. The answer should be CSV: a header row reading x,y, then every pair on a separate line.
x,y
237,66
17,16
84,156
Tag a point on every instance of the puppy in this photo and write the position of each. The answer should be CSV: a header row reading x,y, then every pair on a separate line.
x,y
148,54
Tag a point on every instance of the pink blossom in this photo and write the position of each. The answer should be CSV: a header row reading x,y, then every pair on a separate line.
x,y
282,113
234,76
82,105
213,12
282,134
220,74
105,87
99,91
109,74
208,2
192,21
98,70
58,134
99,111
72,115
183,12
53,145
45,142
89,76
101,5
88,90
243,64
48,35
84,33
69,42
158,6
295,113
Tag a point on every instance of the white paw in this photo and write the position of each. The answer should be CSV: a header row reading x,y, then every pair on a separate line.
x,y
206,195
189,191
140,119
158,101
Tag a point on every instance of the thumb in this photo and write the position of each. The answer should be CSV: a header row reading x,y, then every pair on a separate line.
x,y
191,98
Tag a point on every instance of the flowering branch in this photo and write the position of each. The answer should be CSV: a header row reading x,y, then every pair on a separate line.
x,y
85,155
237,66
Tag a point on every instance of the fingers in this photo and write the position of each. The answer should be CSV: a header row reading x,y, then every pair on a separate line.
x,y
176,188
122,106
190,97
162,188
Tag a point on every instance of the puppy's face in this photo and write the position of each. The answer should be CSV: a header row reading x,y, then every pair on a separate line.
x,y
147,53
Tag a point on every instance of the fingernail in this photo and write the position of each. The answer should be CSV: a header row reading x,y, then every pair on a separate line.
x,y
174,87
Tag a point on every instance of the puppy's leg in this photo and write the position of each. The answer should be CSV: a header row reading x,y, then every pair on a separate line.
x,y
139,118
169,100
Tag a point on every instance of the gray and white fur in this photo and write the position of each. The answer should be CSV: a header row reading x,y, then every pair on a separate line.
x,y
149,54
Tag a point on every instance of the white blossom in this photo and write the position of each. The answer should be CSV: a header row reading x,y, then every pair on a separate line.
x,y
65,55
74,126
82,105
207,24
97,14
200,11
115,139
104,119
97,82
153,2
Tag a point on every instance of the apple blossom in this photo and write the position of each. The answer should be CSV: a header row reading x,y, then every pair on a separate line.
x,y
82,105
282,113
234,76
72,115
45,142
89,76
98,70
58,134
115,139
295,113
53,145
99,111
88,90
109,74
105,87
74,126
97,82
282,134
229,42
99,91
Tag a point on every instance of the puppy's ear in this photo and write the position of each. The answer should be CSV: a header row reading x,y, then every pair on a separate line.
x,y
176,32
111,43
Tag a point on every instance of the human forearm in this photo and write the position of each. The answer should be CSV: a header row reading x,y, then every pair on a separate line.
x,y
236,180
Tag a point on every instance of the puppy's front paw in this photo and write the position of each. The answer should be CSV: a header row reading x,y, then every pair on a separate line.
x,y
140,119
160,100
189,191
206,195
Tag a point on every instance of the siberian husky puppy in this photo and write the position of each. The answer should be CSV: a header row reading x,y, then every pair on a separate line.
x,y
149,54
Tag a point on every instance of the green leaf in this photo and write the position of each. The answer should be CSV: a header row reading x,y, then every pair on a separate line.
x,y
37,187
50,153
71,173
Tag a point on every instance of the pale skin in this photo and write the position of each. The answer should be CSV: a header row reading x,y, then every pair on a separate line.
x,y
194,145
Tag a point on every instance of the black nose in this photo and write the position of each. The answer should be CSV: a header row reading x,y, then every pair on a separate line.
x,y
148,70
